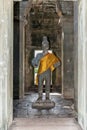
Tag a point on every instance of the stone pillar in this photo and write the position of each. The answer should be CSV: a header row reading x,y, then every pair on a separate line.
x,y
76,54
6,63
23,6
82,63
68,59
24,65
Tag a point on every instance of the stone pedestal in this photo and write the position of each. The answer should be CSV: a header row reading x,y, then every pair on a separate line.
x,y
47,104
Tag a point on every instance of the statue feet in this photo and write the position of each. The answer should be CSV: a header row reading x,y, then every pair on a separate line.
x,y
48,100
39,100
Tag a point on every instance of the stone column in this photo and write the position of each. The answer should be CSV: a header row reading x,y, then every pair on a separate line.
x,y
6,63
24,13
22,49
76,54
68,59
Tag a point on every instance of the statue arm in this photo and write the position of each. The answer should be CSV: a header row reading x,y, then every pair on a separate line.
x,y
57,64
35,61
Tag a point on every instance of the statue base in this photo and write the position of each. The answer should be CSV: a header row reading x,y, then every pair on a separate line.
x,y
47,104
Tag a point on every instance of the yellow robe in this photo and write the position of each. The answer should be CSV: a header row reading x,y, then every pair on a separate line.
x,y
47,62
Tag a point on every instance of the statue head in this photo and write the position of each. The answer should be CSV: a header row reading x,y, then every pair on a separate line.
x,y
45,43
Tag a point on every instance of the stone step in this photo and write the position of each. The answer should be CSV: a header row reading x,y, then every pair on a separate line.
x,y
45,124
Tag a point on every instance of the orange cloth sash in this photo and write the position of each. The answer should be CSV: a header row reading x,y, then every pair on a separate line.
x,y
47,62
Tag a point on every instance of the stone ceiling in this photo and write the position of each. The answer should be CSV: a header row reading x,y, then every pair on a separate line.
x,y
44,21
65,6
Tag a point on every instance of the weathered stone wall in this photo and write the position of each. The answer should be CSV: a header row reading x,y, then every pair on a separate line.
x,y
68,59
6,63
82,63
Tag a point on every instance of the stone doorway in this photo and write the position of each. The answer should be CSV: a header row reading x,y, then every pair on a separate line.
x,y
35,20
6,63
28,39
42,20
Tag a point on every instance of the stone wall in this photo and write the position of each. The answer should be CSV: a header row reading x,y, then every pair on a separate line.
x,y
6,63
82,63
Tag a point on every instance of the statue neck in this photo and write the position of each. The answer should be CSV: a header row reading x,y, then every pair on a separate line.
x,y
45,52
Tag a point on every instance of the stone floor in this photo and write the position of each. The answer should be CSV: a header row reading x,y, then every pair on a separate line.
x,y
63,108
61,117
45,124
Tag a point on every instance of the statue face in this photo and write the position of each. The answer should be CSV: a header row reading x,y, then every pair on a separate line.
x,y
45,44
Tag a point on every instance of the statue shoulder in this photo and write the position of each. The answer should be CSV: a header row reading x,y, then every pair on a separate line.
x,y
39,55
